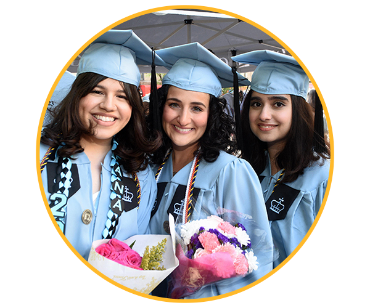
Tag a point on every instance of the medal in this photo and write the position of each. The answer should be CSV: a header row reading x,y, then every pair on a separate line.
x,y
86,216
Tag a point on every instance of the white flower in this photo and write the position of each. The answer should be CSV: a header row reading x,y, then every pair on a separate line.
x,y
252,261
242,236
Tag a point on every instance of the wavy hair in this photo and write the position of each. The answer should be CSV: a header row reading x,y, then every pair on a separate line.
x,y
217,136
65,130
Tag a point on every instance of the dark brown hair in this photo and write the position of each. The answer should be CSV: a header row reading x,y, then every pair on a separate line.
x,y
298,152
217,136
66,128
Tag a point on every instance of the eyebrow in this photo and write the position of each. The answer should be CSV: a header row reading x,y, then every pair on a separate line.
x,y
283,98
179,101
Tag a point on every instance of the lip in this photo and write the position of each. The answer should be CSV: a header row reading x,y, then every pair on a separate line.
x,y
266,127
182,130
104,122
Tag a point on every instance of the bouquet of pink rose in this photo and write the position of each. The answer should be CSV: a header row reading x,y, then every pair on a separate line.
x,y
210,250
138,267
122,253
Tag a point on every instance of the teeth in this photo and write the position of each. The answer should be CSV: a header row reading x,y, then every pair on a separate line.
x,y
104,119
183,129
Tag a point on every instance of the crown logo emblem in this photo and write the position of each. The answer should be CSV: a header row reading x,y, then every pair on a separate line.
x,y
128,195
177,207
277,206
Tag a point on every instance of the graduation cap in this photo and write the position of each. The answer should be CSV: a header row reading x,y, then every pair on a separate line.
x,y
282,74
195,68
275,73
116,54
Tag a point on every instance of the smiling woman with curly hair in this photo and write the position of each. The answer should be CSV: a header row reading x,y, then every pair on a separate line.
x,y
196,174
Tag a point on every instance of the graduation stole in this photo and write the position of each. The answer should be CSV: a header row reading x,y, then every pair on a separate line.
x,y
186,206
125,192
125,195
280,200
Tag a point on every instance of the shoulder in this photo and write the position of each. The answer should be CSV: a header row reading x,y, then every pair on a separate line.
x,y
313,176
146,175
226,166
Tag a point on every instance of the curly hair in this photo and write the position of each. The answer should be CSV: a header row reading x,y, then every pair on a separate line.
x,y
66,128
217,136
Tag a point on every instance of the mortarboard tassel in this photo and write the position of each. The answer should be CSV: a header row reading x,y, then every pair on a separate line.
x,y
238,130
153,105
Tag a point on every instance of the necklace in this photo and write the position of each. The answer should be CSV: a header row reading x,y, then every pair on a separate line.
x,y
188,204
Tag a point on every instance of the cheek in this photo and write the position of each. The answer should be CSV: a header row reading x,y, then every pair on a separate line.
x,y
202,121
286,118
168,116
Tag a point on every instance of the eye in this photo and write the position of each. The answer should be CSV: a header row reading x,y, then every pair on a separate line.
x,y
124,97
173,105
255,104
279,104
197,109
95,91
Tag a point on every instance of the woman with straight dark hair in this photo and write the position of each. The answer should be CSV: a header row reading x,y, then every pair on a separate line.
x,y
94,164
278,130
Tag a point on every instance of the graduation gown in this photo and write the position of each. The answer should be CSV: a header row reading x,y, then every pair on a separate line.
x,y
82,235
230,183
291,219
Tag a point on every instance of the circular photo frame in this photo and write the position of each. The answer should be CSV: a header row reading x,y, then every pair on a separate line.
x,y
225,34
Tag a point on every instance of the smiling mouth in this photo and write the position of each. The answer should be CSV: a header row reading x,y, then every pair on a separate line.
x,y
104,119
266,127
183,130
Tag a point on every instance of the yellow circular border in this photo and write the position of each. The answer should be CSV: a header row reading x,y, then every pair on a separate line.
x,y
221,12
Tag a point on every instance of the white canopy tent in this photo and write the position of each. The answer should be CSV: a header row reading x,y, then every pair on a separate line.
x,y
224,35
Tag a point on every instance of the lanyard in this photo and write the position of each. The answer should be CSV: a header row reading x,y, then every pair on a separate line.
x,y
189,206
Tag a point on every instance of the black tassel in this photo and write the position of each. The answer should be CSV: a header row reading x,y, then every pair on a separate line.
x,y
238,130
153,105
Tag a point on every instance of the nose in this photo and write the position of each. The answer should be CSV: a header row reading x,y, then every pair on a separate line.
x,y
108,103
184,117
265,114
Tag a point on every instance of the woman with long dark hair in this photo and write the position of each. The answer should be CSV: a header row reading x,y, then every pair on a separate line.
x,y
93,153
280,142
195,172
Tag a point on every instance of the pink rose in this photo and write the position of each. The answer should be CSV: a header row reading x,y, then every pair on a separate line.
x,y
105,250
129,258
209,241
121,253
118,245
227,227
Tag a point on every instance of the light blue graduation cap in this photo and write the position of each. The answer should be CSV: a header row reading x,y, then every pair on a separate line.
x,y
275,73
116,54
195,68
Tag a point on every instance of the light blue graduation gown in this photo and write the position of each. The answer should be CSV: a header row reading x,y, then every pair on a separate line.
x,y
229,183
131,223
289,232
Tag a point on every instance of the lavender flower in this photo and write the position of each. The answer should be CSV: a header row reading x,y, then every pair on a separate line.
x,y
189,253
241,226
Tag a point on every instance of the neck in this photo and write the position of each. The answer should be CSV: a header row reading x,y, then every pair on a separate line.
x,y
95,150
181,157
274,150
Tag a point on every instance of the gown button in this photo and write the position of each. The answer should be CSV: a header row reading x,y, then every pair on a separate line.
x,y
86,217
